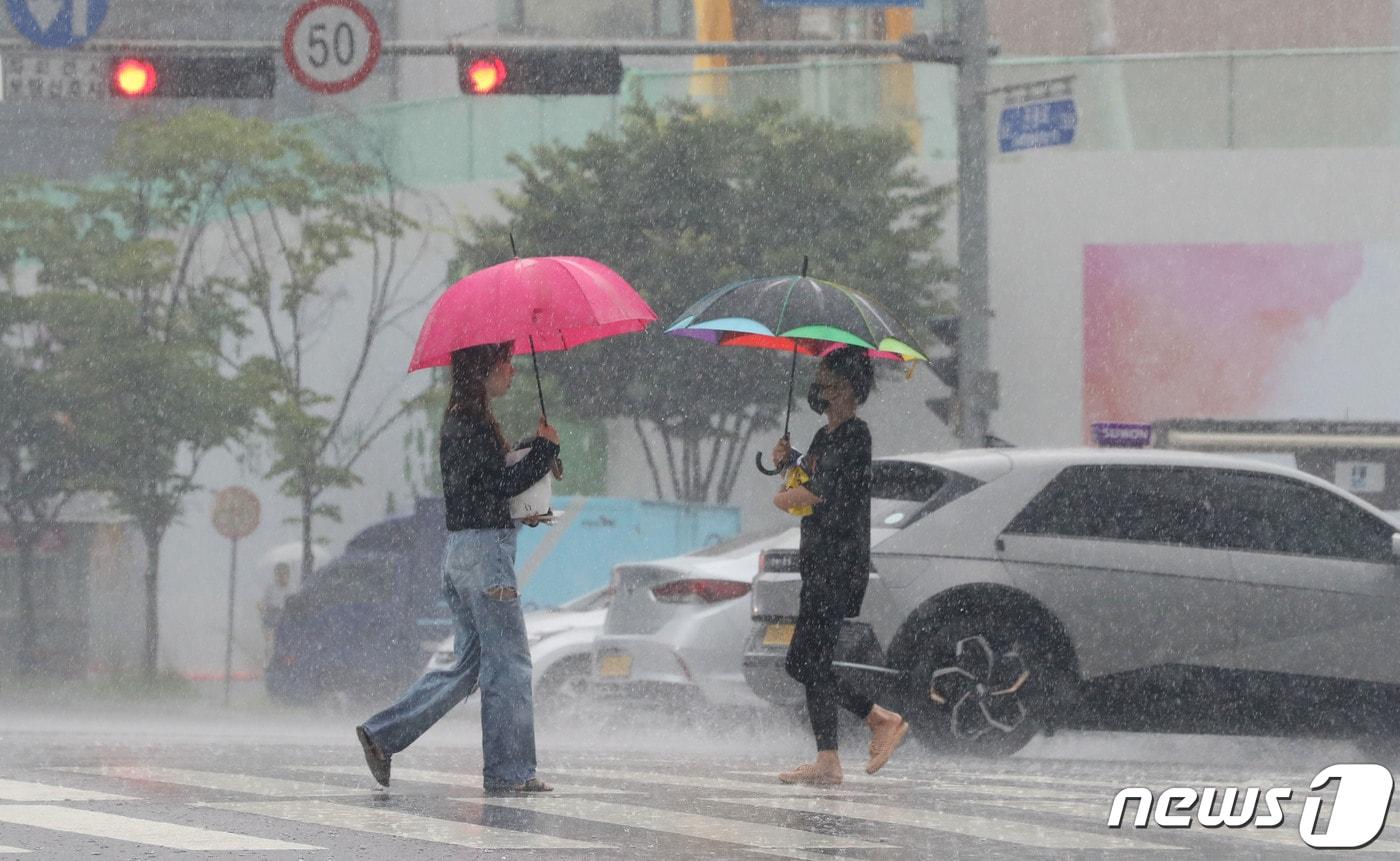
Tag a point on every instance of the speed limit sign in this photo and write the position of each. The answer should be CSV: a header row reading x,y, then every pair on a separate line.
x,y
331,45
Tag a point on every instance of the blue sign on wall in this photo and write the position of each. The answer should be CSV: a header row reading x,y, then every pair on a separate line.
x,y
1037,124
57,23
915,3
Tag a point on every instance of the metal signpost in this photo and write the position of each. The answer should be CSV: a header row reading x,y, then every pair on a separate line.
x,y
331,46
236,515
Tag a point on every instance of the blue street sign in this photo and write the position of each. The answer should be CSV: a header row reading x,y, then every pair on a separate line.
x,y
57,23
914,3
1038,124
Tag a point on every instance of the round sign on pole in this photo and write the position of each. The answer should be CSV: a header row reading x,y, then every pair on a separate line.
x,y
331,45
236,512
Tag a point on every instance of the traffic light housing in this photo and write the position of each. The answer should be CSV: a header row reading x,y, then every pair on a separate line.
x,y
541,72
945,329
193,76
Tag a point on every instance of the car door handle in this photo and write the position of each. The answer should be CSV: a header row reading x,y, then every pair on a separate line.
x,y
1000,545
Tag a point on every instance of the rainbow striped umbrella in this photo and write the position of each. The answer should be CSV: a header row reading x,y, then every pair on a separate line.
x,y
796,314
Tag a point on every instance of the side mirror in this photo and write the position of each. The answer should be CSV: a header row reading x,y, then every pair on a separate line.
x,y
1395,546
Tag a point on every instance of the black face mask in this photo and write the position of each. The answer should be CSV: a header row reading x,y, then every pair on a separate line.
x,y
815,399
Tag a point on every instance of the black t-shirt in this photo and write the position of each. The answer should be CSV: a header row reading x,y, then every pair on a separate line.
x,y
837,532
476,483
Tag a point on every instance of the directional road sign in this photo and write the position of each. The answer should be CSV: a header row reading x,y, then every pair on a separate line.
x,y
331,45
57,23
1037,124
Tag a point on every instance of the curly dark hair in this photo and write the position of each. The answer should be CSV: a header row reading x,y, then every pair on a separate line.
x,y
853,365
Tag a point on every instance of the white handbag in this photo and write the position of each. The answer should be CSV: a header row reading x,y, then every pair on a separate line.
x,y
535,500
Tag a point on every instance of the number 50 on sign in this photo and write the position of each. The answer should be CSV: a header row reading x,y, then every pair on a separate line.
x,y
331,45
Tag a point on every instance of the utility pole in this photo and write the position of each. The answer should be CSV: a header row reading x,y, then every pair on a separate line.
x,y
977,392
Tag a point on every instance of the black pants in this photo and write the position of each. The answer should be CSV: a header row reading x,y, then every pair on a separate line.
x,y
809,662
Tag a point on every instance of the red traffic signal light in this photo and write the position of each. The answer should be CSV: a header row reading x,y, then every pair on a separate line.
x,y
133,77
194,76
484,75
542,72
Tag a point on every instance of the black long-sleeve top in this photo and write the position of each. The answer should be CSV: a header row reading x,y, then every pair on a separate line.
x,y
476,483
835,550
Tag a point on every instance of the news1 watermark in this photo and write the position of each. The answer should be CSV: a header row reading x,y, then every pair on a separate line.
x,y
1355,818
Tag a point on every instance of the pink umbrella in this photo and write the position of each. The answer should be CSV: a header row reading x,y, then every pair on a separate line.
x,y
540,303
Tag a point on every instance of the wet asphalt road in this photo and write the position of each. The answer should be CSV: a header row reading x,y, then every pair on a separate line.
x,y
206,783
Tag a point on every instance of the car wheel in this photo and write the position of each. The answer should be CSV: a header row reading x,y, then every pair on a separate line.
x,y
565,687
982,686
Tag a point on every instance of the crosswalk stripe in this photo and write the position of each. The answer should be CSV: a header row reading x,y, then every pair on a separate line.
x,y
397,824
20,790
452,778
717,783
750,834
1284,835
110,826
1003,830
218,780
11,850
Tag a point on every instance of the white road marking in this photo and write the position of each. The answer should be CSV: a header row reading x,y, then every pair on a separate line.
x,y
452,778
110,826
397,824
221,781
11,850
742,833
19,790
716,783
985,828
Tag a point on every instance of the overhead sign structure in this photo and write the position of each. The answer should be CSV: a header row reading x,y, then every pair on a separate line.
x,y
1037,124
331,46
57,23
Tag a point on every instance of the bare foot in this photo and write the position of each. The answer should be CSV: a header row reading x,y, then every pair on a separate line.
x,y
887,731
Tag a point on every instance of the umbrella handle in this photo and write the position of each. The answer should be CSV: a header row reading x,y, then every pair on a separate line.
x,y
758,462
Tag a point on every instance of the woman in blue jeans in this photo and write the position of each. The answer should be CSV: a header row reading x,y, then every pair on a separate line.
x,y
478,579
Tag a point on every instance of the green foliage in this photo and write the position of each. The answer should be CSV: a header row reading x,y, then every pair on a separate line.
x,y
682,202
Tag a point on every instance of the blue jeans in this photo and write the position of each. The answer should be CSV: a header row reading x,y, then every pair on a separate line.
x,y
491,648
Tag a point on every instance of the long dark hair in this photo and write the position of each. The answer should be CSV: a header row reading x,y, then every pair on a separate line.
x,y
470,368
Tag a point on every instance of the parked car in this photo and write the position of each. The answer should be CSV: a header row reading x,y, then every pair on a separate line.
x,y
677,629
561,649
1132,589
360,626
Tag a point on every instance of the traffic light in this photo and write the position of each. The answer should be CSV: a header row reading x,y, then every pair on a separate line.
x,y
542,72
945,329
193,76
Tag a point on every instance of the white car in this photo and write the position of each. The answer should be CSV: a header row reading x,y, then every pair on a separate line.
x,y
677,628
1122,588
561,649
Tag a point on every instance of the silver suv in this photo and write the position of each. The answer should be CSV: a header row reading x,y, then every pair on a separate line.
x,y
1129,589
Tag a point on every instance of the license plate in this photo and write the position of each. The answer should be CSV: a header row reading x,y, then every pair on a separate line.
x,y
615,666
778,634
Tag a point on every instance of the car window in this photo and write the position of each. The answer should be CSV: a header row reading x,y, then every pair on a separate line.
x,y
350,580
1274,514
1153,504
598,599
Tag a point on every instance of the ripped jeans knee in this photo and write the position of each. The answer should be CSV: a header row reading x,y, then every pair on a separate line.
x,y
502,593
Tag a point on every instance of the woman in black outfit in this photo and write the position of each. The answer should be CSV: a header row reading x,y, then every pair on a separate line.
x,y
834,561
478,580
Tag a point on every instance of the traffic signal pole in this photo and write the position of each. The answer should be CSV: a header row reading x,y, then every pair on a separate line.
x,y
977,392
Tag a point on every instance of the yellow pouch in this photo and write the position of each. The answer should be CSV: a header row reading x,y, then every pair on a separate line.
x,y
796,476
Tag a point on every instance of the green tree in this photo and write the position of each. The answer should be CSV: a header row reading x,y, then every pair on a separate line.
x,y
680,202
294,225
155,341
